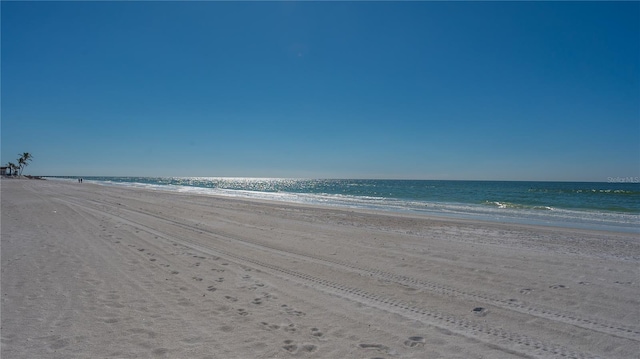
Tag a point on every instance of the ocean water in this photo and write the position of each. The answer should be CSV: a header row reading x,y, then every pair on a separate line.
x,y
606,206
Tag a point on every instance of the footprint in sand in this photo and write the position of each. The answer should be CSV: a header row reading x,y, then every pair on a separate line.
x,y
291,328
291,311
309,348
289,346
480,311
256,286
270,326
413,342
526,291
212,288
373,346
316,332
292,348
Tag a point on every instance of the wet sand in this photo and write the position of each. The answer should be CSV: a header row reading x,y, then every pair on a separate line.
x,y
92,271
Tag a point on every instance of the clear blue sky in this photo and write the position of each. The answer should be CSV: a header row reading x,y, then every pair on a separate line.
x,y
426,90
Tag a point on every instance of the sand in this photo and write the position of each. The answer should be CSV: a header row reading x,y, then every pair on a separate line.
x,y
91,271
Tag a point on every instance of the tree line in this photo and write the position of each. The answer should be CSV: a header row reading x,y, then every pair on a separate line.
x,y
23,161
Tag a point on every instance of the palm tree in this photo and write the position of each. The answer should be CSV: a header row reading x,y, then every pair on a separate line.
x,y
12,167
23,161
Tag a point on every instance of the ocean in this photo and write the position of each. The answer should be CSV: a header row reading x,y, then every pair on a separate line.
x,y
613,206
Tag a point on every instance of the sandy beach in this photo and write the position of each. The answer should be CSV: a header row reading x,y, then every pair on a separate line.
x,y
92,271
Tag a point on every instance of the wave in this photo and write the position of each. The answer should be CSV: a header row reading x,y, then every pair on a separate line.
x,y
612,191
517,206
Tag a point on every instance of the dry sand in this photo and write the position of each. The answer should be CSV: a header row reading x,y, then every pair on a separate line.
x,y
91,271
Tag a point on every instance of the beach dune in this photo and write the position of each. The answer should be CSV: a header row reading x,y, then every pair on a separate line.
x,y
91,271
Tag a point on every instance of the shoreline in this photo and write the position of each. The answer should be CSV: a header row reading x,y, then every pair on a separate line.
x,y
102,271
507,217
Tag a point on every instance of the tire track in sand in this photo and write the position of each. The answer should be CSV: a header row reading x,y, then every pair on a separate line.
x,y
496,336
552,314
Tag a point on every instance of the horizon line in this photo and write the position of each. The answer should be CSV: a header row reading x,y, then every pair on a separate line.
x,y
610,179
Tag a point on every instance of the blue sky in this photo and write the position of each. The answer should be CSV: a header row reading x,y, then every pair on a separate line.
x,y
424,90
